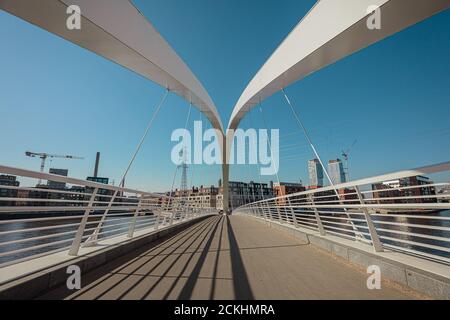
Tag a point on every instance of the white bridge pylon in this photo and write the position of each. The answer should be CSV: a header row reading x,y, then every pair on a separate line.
x,y
331,31
117,30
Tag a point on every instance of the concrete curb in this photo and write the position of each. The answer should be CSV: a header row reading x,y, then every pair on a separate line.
x,y
31,286
411,275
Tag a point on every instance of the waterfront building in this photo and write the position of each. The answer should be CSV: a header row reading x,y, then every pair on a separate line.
x,y
196,198
102,192
242,193
57,185
401,188
5,192
283,189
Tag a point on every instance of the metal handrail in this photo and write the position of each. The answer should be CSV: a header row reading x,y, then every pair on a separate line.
x,y
407,221
47,221
62,179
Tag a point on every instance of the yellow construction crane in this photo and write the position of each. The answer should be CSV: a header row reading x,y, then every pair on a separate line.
x,y
45,156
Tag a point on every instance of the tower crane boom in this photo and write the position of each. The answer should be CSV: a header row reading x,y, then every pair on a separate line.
x,y
45,156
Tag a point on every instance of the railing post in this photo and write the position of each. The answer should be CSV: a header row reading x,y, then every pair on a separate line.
x,y
172,216
92,240
294,217
75,248
278,210
263,211
157,221
134,219
319,220
377,245
269,211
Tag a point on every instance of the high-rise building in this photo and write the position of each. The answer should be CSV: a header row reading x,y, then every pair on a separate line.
x,y
57,185
315,173
336,171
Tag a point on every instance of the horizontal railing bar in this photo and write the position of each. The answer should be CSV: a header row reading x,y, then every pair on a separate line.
x,y
417,253
418,244
430,217
342,224
337,225
68,192
412,206
407,188
32,257
419,226
58,178
413,234
26,210
50,200
327,213
307,220
3,233
37,238
325,217
34,247
310,225
39,219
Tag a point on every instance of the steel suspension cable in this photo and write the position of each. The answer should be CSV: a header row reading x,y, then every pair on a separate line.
x,y
269,141
176,169
258,168
305,131
193,167
94,236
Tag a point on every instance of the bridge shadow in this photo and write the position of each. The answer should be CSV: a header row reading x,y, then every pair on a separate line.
x,y
182,266
242,289
223,258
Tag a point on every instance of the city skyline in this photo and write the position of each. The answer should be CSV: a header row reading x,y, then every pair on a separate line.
x,y
115,102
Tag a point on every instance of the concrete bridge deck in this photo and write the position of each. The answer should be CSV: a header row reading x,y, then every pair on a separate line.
x,y
228,258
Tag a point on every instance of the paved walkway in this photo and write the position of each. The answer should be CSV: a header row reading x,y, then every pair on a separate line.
x,y
227,258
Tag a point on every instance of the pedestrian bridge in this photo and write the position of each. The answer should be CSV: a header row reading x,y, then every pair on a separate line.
x,y
317,244
228,258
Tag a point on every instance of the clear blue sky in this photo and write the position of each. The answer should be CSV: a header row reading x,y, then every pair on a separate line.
x,y
393,97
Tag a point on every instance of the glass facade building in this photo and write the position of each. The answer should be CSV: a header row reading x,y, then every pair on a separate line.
x,y
315,173
336,171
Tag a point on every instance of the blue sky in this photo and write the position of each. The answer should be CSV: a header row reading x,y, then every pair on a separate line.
x,y
393,97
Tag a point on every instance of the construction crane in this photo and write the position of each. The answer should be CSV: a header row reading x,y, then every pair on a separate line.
x,y
45,156
345,156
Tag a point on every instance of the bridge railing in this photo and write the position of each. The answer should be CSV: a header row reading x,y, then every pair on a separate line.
x,y
403,211
66,214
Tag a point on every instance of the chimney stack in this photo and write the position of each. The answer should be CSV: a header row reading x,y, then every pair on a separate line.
x,y
97,162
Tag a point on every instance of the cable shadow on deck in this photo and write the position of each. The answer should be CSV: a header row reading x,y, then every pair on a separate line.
x,y
93,281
